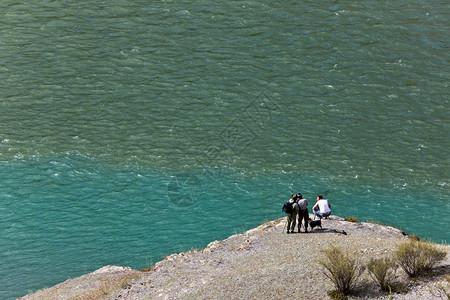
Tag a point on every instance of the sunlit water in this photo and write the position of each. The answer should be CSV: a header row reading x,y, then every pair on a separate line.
x,y
131,130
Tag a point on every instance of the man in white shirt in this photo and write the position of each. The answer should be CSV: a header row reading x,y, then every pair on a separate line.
x,y
322,208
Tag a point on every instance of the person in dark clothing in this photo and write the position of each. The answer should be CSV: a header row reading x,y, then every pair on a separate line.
x,y
292,217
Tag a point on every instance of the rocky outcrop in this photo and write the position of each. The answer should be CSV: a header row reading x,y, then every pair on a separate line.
x,y
262,263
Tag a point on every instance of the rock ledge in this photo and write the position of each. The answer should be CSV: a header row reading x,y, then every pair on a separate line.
x,y
262,263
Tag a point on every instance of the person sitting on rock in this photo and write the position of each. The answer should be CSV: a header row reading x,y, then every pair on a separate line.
x,y
322,208
292,217
303,213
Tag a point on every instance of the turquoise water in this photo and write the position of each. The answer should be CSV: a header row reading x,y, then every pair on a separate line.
x,y
131,130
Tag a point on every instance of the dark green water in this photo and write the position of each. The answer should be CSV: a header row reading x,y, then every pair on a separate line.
x,y
131,130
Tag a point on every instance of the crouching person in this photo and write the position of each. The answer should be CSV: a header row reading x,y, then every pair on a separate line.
x,y
322,208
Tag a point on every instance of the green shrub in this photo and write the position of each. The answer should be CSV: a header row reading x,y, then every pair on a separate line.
x,y
340,268
382,271
351,219
418,258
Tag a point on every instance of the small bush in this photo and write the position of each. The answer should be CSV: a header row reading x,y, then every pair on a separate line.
x,y
382,271
341,269
351,219
418,258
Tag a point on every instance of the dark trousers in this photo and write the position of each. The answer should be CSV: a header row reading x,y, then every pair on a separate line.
x,y
303,216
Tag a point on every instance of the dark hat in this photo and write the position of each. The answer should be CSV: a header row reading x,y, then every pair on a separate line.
x,y
299,195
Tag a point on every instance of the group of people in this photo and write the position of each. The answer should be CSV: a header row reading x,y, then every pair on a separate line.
x,y
299,207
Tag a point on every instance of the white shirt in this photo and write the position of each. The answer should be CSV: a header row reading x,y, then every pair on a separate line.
x,y
323,206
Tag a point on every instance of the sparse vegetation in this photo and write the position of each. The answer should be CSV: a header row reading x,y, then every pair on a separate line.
x,y
374,221
446,289
242,230
336,295
418,258
278,221
414,237
271,252
146,270
399,287
382,271
351,219
341,269
443,289
107,286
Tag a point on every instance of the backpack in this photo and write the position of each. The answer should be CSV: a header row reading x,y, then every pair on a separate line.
x,y
287,207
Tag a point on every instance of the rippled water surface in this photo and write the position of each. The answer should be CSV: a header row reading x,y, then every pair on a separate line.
x,y
131,130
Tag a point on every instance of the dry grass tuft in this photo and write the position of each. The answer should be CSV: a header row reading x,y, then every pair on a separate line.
x,y
351,219
414,237
342,269
382,271
418,258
